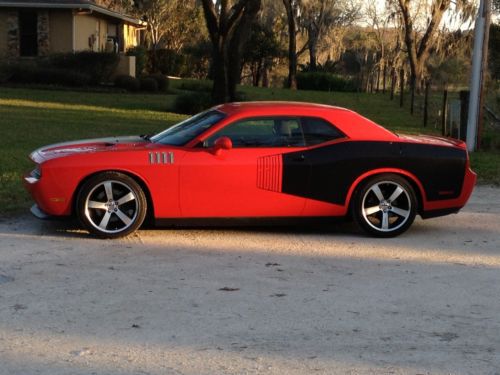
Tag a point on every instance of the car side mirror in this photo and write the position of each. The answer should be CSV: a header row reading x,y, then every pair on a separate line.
x,y
222,143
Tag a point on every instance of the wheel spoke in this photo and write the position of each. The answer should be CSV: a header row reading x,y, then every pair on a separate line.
x,y
385,220
400,212
109,190
395,194
105,220
124,218
371,210
376,190
127,198
97,205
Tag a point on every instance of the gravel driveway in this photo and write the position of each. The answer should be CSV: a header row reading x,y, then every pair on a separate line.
x,y
254,301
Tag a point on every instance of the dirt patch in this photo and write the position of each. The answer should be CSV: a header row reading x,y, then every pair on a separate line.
x,y
253,301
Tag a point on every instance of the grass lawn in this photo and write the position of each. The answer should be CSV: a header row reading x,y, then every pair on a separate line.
x,y
31,118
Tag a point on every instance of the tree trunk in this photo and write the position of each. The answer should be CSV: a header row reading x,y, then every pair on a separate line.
x,y
292,46
312,46
220,92
227,31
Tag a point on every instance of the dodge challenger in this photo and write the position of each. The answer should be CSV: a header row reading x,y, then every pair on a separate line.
x,y
254,161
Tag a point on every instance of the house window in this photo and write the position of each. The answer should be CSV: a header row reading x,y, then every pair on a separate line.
x,y
28,32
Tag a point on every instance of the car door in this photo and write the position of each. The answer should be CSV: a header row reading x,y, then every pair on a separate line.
x,y
246,180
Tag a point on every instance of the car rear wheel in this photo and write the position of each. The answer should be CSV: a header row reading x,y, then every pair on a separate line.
x,y
385,205
111,205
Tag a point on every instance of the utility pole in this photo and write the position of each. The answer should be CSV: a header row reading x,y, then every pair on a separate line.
x,y
479,66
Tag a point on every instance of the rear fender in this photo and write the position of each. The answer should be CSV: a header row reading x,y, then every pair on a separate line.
x,y
419,189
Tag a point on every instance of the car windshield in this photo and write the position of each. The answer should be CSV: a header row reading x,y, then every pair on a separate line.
x,y
183,132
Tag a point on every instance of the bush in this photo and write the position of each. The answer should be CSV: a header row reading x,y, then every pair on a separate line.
x,y
99,66
322,81
166,62
141,58
32,73
148,84
198,86
128,83
161,80
192,103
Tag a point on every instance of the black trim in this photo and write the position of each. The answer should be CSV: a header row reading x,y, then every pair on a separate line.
x,y
328,172
441,212
245,221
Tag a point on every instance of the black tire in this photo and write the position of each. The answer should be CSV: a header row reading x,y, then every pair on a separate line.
x,y
384,205
111,205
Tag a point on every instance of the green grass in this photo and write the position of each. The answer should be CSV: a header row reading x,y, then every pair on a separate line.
x,y
33,118
30,118
487,167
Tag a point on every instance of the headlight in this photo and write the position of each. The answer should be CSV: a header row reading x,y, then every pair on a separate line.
x,y
37,172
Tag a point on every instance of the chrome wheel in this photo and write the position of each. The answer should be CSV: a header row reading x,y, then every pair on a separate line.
x,y
385,205
111,207
111,204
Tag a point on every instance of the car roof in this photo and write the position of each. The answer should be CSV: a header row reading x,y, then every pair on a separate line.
x,y
274,106
349,122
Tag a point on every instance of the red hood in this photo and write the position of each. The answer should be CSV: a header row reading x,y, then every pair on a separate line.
x,y
433,140
87,146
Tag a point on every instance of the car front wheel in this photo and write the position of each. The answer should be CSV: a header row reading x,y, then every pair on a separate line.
x,y
111,205
384,205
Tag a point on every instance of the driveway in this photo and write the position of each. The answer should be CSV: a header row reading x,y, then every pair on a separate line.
x,y
254,300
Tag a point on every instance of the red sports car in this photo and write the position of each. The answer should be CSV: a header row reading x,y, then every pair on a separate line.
x,y
254,160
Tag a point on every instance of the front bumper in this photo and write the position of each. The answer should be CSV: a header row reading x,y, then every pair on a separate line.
x,y
38,213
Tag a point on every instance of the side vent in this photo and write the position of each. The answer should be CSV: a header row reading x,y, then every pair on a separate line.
x,y
269,172
161,158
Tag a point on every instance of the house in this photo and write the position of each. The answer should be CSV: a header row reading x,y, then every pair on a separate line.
x,y
31,28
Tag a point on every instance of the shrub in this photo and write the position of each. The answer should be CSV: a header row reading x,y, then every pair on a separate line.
x,y
141,58
128,83
31,73
198,86
192,103
97,65
148,84
161,80
322,81
166,62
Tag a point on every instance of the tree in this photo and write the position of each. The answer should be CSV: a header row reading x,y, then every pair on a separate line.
x,y
314,18
421,21
320,16
292,11
170,23
228,27
260,50
494,53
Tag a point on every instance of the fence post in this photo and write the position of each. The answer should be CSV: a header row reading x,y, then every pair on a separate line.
x,y
426,102
444,112
401,86
393,82
464,114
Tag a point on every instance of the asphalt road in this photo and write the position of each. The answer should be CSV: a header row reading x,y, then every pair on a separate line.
x,y
254,300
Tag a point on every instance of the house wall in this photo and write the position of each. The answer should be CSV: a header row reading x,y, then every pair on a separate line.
x,y
61,30
56,28
129,36
91,26
86,33
3,33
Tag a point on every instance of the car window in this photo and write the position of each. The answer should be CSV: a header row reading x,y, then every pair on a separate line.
x,y
262,132
183,132
317,131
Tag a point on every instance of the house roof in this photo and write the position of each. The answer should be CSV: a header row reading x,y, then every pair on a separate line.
x,y
70,4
